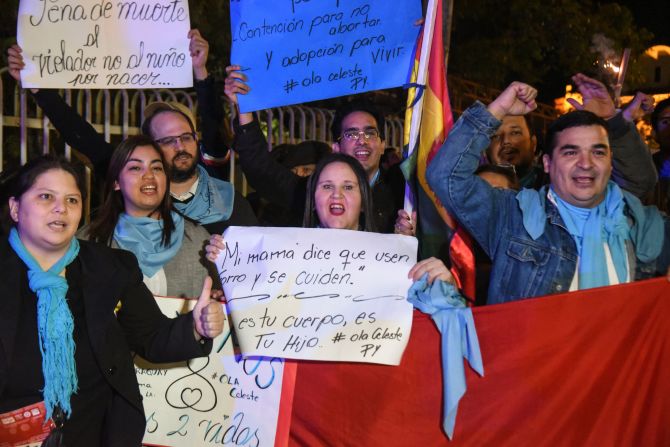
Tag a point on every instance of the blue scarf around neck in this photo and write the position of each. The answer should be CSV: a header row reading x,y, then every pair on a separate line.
x,y
142,237
212,202
645,226
55,325
591,228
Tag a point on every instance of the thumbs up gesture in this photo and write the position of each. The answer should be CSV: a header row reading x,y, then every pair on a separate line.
x,y
208,315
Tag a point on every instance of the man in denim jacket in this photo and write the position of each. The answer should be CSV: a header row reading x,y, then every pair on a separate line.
x,y
578,232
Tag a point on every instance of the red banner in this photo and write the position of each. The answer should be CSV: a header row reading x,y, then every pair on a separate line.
x,y
584,368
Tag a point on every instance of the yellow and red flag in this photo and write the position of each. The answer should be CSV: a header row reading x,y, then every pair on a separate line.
x,y
428,120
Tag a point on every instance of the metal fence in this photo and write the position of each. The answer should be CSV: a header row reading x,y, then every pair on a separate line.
x,y
26,132
117,114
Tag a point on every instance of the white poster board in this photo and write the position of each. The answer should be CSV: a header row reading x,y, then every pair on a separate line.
x,y
217,400
104,44
318,294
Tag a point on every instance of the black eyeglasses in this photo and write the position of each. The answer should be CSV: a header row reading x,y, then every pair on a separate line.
x,y
184,139
355,135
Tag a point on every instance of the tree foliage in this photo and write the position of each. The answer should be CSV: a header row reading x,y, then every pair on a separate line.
x,y
539,42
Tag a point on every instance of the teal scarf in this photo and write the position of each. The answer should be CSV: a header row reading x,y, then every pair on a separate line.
x,y
213,200
591,228
142,237
54,325
454,320
645,231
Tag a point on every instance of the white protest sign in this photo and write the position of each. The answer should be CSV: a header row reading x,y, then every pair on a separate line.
x,y
105,44
318,294
221,399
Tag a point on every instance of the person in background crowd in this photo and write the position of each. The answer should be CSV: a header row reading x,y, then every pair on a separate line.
x,y
515,145
578,232
357,130
499,176
660,121
390,158
209,201
67,341
301,159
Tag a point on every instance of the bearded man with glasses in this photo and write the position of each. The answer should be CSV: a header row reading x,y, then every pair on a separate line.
x,y
211,202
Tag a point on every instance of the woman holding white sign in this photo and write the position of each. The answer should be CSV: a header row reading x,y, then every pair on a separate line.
x,y
72,312
137,215
338,196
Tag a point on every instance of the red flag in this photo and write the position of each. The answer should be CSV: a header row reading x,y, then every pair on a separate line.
x,y
586,368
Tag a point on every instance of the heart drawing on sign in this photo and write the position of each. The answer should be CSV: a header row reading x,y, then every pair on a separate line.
x,y
191,396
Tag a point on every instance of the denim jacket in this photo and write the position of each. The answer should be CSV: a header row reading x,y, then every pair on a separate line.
x,y
522,266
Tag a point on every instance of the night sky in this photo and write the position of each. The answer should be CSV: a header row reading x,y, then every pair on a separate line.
x,y
653,15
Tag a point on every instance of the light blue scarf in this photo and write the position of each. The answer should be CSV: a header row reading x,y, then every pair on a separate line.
x,y
54,325
454,320
591,228
646,231
213,200
142,237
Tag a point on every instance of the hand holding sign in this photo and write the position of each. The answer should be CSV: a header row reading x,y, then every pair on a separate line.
x,y
207,314
199,50
236,83
15,61
214,247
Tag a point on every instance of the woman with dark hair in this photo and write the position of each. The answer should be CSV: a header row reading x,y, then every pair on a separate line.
x,y
339,197
137,215
66,357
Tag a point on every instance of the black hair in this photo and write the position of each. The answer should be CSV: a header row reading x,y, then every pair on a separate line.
x,y
366,220
26,176
578,118
657,112
307,152
357,106
107,216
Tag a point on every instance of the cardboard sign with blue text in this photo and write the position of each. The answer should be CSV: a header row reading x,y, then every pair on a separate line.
x,y
295,51
104,44
318,294
217,400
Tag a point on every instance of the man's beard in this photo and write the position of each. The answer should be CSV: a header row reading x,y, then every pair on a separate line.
x,y
180,175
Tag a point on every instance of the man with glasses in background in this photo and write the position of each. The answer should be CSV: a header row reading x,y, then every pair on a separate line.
x,y
357,130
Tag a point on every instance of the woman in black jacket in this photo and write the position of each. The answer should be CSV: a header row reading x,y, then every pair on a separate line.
x,y
73,311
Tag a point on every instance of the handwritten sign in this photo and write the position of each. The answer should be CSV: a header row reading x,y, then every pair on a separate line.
x,y
105,44
295,51
318,294
217,400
